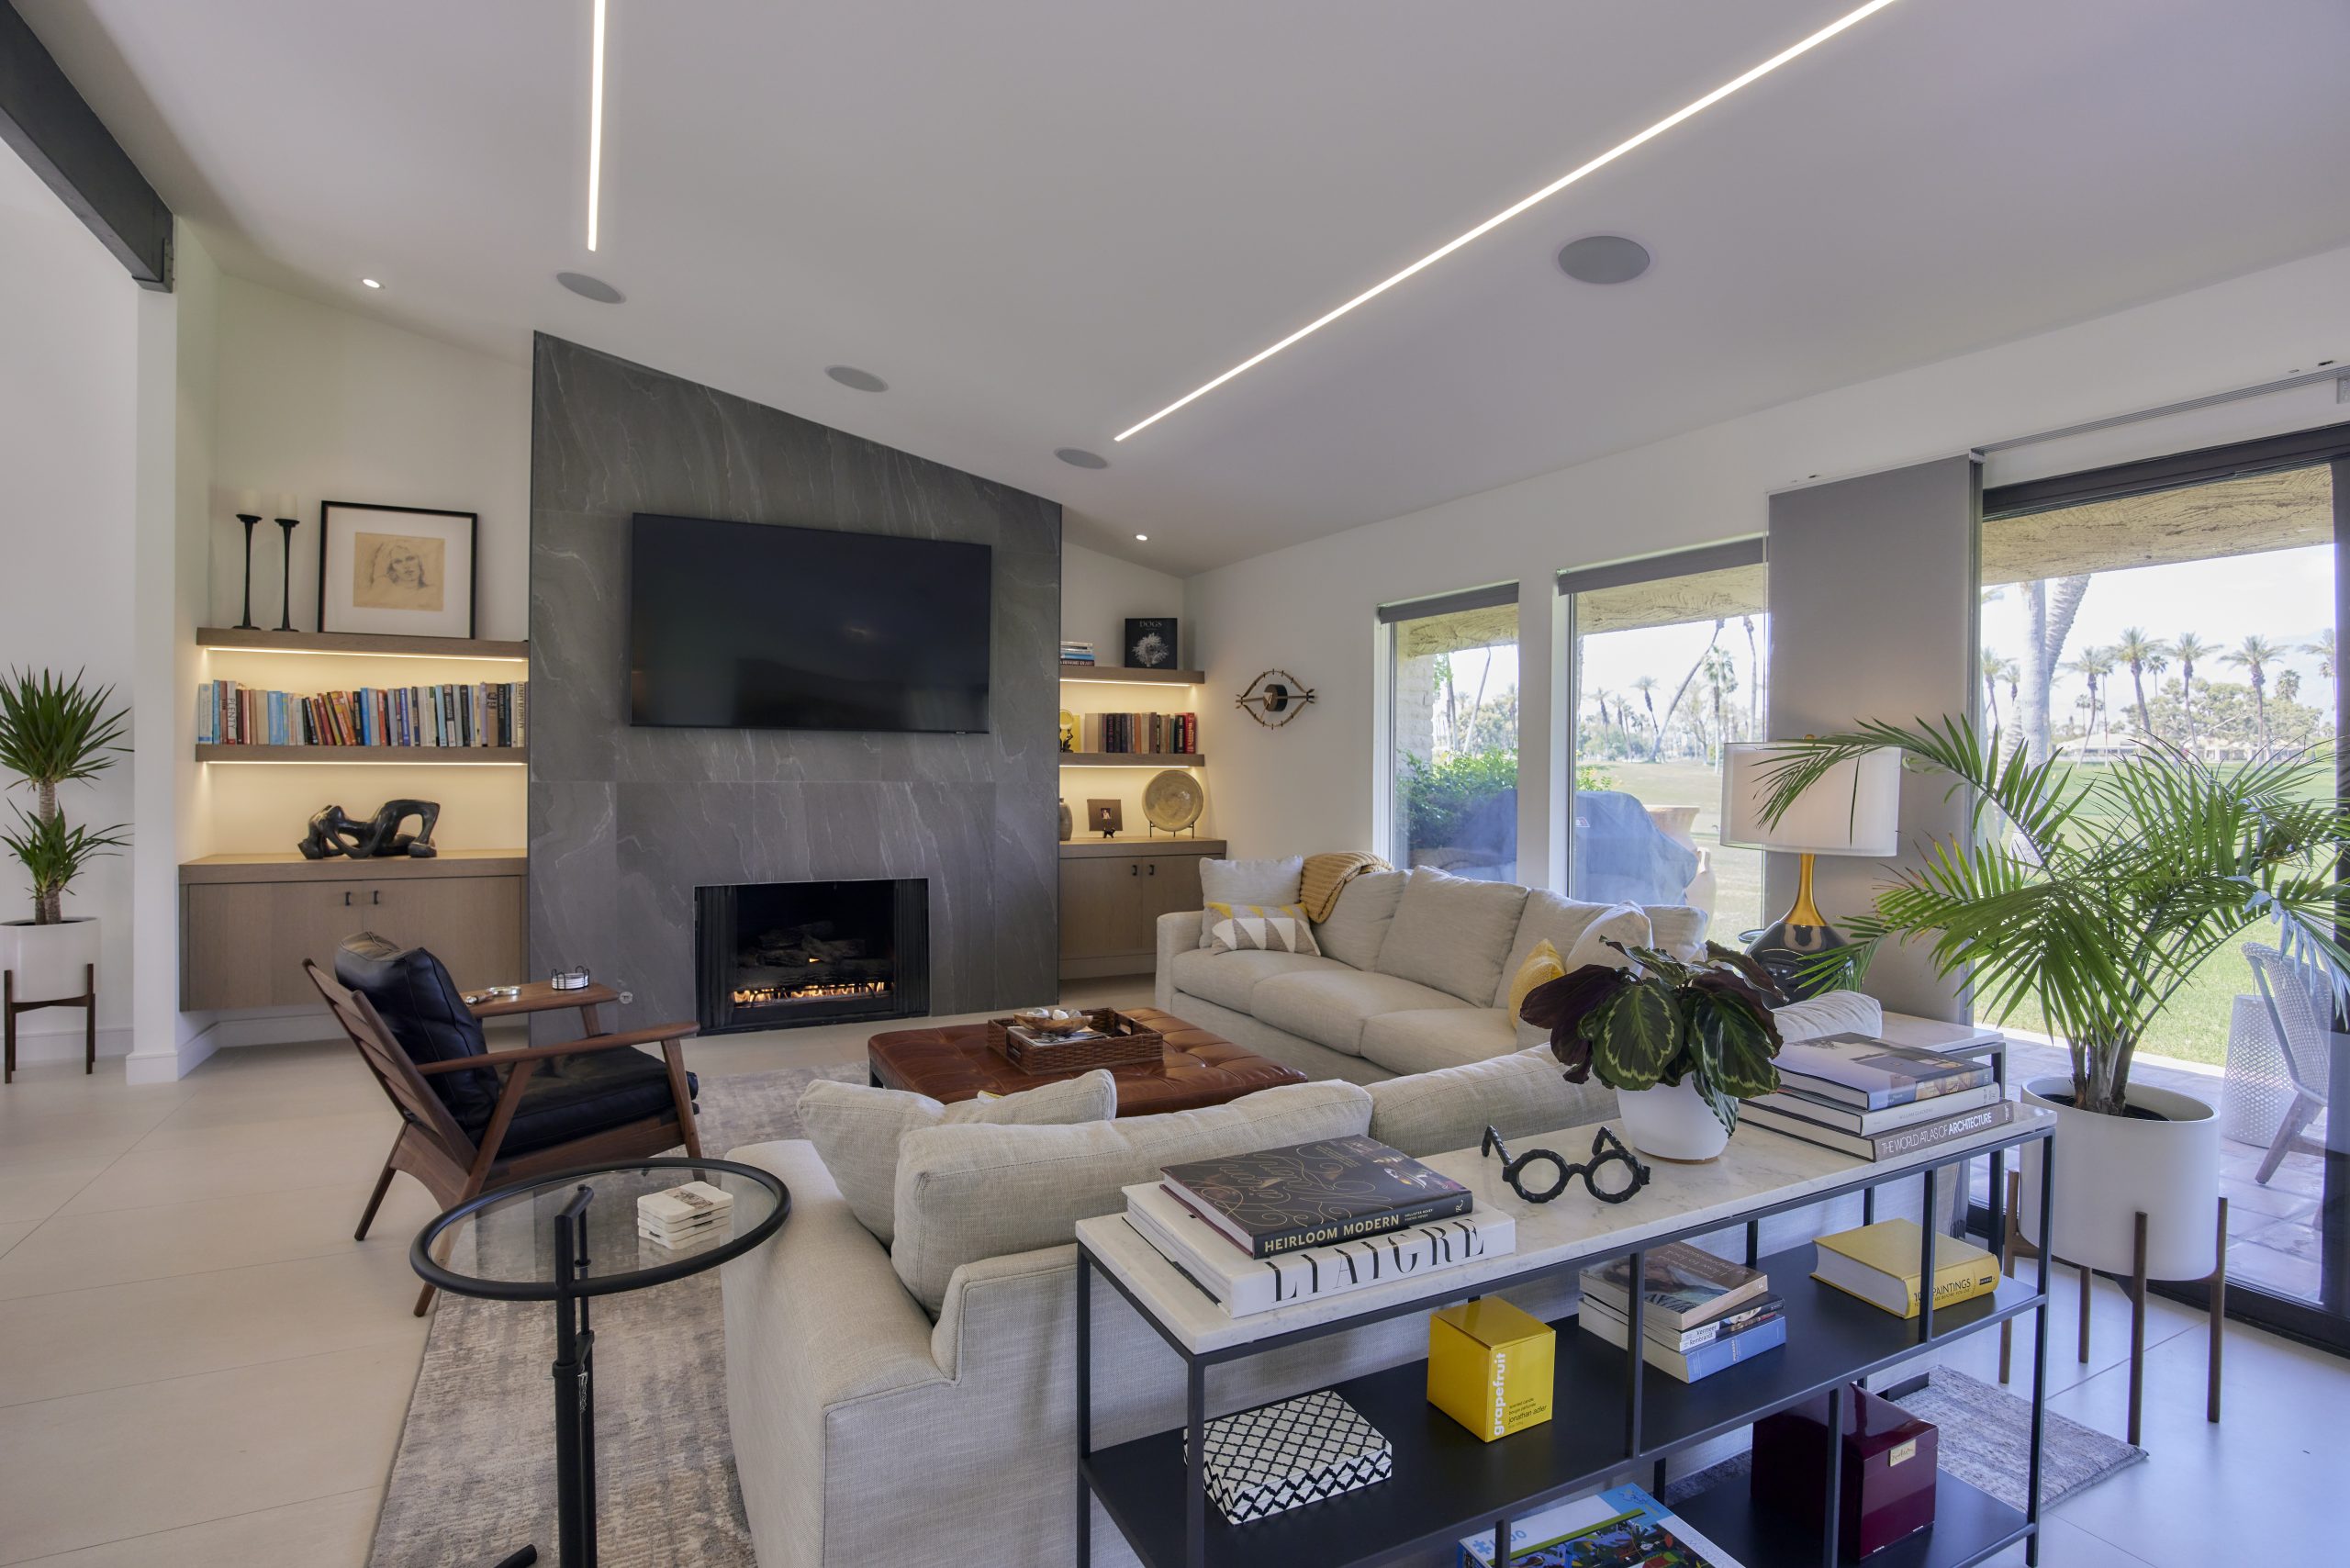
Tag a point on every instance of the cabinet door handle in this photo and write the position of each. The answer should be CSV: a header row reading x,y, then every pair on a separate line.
x,y
376,896
1134,867
1154,868
346,898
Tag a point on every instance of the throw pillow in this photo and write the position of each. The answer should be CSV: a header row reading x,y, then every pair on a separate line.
x,y
1451,934
856,1129
1624,922
967,1194
1549,917
1358,925
1255,929
1542,964
1677,929
1240,883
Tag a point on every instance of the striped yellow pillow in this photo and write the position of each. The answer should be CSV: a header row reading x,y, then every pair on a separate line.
x,y
1541,965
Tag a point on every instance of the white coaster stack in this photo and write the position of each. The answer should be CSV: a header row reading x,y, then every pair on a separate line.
x,y
684,1216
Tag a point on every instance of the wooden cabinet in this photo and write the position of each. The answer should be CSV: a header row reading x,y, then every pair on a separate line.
x,y
1113,893
247,921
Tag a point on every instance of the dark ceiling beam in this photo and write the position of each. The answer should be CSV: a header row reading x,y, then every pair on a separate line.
x,y
54,130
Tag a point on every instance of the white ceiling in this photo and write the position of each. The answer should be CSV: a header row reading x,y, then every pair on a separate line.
x,y
1042,220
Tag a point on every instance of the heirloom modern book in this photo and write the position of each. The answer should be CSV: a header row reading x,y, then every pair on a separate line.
x,y
1312,1194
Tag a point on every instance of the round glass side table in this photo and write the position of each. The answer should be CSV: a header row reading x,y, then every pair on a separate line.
x,y
567,1238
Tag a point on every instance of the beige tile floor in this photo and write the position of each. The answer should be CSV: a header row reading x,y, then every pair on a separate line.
x,y
198,1366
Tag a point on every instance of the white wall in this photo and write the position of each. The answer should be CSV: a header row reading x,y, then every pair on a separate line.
x,y
69,376
1098,592
1309,786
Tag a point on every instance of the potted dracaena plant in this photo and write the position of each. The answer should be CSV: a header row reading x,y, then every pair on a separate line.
x,y
1680,1041
54,732
2095,893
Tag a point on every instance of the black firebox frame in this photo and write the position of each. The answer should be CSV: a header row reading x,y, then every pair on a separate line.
x,y
715,938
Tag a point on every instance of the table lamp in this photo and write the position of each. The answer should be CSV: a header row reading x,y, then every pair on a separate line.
x,y
1853,809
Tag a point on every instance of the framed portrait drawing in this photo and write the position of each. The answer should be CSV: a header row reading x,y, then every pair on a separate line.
x,y
398,571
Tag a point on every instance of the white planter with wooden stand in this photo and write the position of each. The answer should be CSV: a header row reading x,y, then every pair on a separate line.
x,y
1672,1122
48,966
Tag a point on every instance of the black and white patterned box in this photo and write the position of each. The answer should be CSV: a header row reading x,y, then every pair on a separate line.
x,y
1279,1456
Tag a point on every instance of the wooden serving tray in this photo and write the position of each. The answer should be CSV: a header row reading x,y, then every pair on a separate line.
x,y
1121,1043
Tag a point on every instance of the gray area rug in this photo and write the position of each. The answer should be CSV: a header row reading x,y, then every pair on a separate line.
x,y
1985,1441
474,1476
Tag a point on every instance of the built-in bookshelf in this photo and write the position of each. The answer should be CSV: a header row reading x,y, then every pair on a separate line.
x,y
1112,675
255,640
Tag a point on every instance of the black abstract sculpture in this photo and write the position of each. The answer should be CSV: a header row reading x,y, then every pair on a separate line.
x,y
248,518
333,834
285,589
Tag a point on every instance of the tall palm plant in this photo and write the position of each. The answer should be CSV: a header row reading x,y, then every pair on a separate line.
x,y
2324,649
2097,895
2187,650
2093,665
53,732
2253,655
2140,653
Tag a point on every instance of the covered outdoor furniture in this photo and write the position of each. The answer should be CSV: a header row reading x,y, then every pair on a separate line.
x,y
2291,999
471,1118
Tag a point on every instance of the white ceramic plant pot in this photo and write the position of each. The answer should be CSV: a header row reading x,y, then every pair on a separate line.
x,y
2111,1169
1672,1123
47,959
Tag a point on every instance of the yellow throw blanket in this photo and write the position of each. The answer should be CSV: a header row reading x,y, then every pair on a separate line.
x,y
1326,874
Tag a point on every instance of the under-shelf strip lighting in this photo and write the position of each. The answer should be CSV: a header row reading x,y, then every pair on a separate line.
x,y
1849,20
362,654
596,128
337,762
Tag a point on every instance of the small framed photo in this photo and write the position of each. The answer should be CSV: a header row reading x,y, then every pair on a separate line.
x,y
1107,818
1150,642
398,571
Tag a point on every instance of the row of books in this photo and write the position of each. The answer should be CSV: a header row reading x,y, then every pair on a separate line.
x,y
1139,733
1700,1313
453,714
1874,1099
1077,653
1258,1231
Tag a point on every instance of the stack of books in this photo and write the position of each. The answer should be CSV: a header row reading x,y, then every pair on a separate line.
x,y
1703,1313
1258,1231
1868,1097
493,713
1878,1263
684,1216
1164,734
1077,653
1622,1525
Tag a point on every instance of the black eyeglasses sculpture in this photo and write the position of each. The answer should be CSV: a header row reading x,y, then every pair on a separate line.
x,y
1612,1174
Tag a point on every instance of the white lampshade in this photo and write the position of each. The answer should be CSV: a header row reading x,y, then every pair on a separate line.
x,y
1854,808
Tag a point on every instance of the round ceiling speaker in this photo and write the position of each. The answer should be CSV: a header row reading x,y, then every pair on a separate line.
x,y
861,380
1603,258
589,287
1078,457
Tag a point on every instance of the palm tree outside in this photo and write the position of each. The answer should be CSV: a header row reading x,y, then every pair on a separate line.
x,y
2253,655
1645,685
2187,650
2140,653
2093,665
2324,649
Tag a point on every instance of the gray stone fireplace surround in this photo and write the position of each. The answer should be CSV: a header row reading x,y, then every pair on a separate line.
x,y
625,823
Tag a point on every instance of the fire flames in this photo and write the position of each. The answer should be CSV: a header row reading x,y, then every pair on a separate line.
x,y
816,990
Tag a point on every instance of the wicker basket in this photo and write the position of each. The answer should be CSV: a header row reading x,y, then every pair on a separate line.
x,y
1121,1043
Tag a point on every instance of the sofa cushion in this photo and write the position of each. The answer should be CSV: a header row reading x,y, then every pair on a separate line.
x,y
1519,1095
858,1131
1230,980
1678,929
971,1192
1834,1012
1243,882
1548,917
1452,934
1422,1041
1358,925
1330,1006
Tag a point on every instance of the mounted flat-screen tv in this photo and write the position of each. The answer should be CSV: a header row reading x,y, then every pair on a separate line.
x,y
747,625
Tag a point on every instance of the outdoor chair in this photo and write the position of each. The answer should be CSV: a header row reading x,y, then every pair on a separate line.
x,y
2306,1043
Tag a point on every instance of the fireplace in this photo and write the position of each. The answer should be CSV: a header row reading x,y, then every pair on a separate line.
x,y
780,955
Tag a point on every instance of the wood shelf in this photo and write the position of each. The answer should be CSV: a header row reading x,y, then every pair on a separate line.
x,y
412,756
1134,759
1115,676
229,638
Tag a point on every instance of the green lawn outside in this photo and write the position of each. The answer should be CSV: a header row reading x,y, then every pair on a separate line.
x,y
2193,1028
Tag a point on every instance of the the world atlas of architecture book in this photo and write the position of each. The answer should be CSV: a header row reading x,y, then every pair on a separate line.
x,y
1312,1194
1934,1129
1245,1285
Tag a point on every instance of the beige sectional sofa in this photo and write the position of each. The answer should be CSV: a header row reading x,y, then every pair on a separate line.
x,y
912,1399
1414,973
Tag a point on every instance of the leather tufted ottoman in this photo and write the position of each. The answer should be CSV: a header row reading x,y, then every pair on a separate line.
x,y
954,1063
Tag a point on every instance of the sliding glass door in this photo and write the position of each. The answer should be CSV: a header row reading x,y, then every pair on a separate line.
x,y
2193,604
1453,717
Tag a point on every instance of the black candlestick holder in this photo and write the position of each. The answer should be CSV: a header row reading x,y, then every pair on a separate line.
x,y
248,518
285,609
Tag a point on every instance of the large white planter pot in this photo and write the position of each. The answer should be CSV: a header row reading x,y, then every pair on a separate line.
x,y
2111,1169
1672,1123
47,959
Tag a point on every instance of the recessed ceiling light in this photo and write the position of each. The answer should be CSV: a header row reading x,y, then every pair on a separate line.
x,y
595,127
863,380
589,287
371,283
1078,457
1603,258
1851,18
1142,538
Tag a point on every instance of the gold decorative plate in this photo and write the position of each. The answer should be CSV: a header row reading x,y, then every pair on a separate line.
x,y
1173,801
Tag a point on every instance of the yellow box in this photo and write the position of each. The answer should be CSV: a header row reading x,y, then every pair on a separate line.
x,y
1490,1367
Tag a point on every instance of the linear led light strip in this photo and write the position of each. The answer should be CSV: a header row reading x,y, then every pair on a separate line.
x,y
1553,189
595,127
